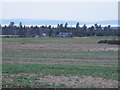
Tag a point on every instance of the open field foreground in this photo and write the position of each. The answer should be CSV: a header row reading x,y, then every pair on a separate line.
x,y
59,62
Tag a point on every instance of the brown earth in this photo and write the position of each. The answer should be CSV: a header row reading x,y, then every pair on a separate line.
x,y
58,47
62,59
69,81
76,81
63,63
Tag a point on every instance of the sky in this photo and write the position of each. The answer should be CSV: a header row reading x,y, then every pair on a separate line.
x,y
70,11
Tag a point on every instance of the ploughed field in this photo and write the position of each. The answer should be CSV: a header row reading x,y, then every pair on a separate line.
x,y
59,62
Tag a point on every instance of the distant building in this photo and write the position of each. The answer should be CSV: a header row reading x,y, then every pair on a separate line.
x,y
44,34
64,34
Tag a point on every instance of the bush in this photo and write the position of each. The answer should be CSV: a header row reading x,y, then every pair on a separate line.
x,y
103,41
109,42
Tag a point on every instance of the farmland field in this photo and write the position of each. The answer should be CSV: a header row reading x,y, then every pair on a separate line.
x,y
78,62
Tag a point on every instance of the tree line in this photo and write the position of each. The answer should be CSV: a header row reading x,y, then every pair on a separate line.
x,y
25,31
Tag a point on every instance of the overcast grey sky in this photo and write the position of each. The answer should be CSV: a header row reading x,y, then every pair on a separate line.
x,y
80,11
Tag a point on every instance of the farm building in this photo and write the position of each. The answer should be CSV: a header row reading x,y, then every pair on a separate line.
x,y
64,34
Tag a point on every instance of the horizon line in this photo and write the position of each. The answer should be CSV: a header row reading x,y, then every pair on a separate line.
x,y
57,20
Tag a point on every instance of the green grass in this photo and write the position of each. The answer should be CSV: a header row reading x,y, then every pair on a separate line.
x,y
89,40
20,82
108,72
24,81
61,85
97,55
44,60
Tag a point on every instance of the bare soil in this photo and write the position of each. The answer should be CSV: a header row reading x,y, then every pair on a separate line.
x,y
69,81
76,81
58,47
62,59
63,63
